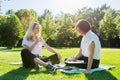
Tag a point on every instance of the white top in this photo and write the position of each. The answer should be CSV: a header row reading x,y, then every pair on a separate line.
x,y
86,40
37,49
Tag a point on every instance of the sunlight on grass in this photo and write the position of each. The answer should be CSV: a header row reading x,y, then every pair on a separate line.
x,y
16,72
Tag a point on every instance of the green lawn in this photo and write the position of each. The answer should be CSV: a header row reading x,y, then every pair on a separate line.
x,y
16,72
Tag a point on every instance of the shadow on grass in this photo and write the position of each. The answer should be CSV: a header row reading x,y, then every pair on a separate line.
x,y
42,71
21,74
17,74
9,50
101,75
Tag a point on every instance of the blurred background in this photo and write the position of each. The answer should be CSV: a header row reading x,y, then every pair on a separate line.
x,y
58,19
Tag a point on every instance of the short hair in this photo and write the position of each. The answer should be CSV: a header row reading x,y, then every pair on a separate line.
x,y
83,25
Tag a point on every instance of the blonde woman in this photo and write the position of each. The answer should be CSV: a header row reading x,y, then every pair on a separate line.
x,y
32,44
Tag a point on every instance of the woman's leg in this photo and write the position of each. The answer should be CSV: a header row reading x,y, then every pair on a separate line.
x,y
80,65
40,62
49,67
30,61
27,58
54,59
95,63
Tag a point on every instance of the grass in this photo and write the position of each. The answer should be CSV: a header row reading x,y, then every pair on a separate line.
x,y
16,72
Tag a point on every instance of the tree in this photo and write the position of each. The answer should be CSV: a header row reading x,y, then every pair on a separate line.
x,y
108,29
26,17
48,27
94,16
66,32
46,12
2,22
12,31
117,22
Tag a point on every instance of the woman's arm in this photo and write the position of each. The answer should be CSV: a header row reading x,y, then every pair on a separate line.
x,y
52,50
90,58
78,55
36,42
29,48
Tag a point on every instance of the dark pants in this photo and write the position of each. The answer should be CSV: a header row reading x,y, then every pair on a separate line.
x,y
28,58
83,65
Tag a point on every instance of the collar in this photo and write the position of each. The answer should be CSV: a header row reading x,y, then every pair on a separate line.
x,y
87,33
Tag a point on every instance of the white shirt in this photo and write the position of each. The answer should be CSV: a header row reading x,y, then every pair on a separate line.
x,y
37,49
86,40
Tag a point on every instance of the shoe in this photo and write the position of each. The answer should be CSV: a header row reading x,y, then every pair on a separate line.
x,y
51,68
36,67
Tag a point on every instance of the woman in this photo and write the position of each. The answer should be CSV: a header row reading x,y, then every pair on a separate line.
x,y
32,44
90,48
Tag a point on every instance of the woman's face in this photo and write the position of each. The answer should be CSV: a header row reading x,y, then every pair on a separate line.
x,y
80,32
36,29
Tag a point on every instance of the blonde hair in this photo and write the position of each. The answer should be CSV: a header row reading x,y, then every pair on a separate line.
x,y
30,34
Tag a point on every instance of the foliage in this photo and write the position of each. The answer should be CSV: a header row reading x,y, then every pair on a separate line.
x,y
66,32
117,22
11,31
107,25
59,30
26,17
49,27
3,20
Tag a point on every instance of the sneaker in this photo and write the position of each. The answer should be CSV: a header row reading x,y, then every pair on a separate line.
x,y
51,68
36,67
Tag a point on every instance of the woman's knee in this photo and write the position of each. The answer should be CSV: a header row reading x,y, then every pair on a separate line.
x,y
36,59
24,51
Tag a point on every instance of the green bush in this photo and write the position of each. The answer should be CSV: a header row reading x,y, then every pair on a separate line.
x,y
11,31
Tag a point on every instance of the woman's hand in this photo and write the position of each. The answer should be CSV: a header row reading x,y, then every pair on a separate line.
x,y
87,71
59,56
38,39
52,50
71,59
